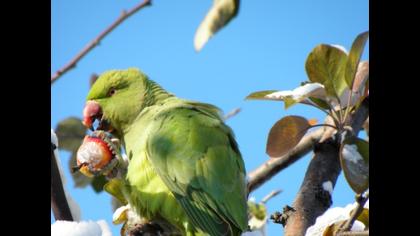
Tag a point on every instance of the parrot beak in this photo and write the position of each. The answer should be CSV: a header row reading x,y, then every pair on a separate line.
x,y
91,112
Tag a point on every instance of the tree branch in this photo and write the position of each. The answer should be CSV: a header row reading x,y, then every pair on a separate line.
x,y
96,41
59,202
273,166
313,199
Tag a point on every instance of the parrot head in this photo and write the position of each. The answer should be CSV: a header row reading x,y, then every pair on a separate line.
x,y
115,100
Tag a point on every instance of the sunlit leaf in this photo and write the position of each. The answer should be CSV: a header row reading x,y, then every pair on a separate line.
x,y
70,133
257,210
302,94
219,16
120,215
257,215
261,95
354,159
354,57
115,188
285,135
326,65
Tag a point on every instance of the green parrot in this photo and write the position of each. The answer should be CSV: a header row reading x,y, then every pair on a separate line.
x,y
184,165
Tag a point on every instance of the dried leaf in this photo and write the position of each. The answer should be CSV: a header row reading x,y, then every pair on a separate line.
x,y
285,135
219,16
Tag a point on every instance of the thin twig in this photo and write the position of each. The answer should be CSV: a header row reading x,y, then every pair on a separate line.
x,y
124,15
93,79
59,204
232,113
361,200
271,195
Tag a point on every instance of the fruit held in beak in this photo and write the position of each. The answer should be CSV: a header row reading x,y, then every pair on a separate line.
x,y
91,112
96,155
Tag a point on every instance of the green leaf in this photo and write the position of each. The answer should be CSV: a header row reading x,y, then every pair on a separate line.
x,y
259,211
257,215
218,16
354,57
70,133
326,65
320,103
285,135
354,159
98,183
300,94
288,102
115,188
260,95
79,179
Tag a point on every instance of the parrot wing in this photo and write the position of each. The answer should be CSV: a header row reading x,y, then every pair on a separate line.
x,y
197,157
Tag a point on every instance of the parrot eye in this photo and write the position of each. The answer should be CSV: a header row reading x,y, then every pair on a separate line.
x,y
111,91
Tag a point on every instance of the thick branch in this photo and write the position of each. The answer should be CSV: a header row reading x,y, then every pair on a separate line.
x,y
273,166
96,41
313,199
59,202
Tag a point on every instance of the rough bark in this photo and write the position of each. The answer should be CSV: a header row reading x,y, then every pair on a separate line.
x,y
312,199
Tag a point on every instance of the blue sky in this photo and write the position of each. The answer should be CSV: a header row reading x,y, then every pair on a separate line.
x,y
264,47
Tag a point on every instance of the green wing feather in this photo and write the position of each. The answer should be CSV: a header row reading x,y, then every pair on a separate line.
x,y
197,157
